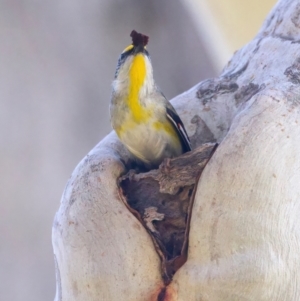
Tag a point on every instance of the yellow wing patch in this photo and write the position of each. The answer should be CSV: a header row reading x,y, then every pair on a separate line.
x,y
168,128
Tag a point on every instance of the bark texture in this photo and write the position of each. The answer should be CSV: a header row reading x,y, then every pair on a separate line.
x,y
162,200
244,240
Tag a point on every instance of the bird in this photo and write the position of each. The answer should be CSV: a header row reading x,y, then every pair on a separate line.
x,y
143,119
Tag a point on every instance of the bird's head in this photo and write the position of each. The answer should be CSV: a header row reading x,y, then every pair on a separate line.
x,y
134,65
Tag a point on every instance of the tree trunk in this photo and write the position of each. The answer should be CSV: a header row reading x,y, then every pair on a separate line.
x,y
244,238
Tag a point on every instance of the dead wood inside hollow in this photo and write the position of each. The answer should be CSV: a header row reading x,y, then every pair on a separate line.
x,y
162,200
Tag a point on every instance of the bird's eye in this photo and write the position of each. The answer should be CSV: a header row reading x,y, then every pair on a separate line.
x,y
121,60
125,54
127,51
127,48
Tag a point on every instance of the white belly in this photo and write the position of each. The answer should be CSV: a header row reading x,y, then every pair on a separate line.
x,y
151,145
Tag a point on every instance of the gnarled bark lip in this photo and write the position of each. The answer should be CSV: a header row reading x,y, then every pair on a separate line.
x,y
162,201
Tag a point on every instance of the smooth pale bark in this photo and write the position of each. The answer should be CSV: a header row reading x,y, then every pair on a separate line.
x,y
245,226
245,229
101,249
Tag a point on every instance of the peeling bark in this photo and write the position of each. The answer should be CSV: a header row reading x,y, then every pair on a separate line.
x,y
162,201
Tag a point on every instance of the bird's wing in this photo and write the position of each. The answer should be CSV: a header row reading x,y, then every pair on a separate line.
x,y
177,123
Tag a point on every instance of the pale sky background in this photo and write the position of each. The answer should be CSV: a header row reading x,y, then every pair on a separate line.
x,y
57,62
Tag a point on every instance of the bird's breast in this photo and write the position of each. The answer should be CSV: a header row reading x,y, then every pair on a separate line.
x,y
151,141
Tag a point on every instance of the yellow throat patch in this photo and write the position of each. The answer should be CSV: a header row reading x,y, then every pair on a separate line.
x,y
137,76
